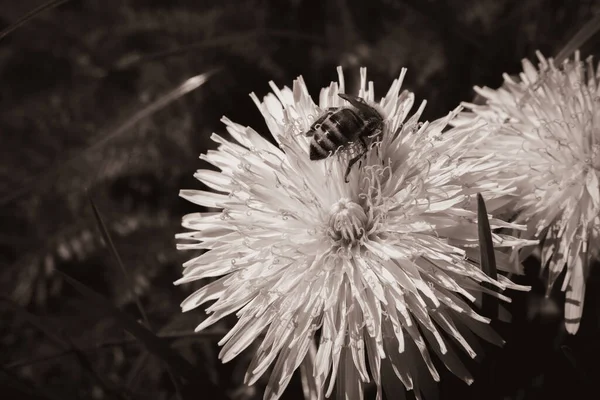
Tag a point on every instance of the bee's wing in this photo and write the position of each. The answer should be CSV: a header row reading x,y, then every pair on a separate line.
x,y
354,100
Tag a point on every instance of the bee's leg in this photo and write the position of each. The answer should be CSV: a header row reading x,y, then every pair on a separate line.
x,y
376,148
364,150
377,143
350,164
353,161
375,135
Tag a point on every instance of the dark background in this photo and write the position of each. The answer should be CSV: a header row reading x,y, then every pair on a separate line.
x,y
73,75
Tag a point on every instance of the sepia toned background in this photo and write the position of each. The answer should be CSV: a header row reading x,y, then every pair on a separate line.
x,y
78,86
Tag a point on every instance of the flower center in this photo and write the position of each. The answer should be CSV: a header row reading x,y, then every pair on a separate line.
x,y
347,221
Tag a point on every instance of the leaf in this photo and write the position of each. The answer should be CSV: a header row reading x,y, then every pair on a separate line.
x,y
490,304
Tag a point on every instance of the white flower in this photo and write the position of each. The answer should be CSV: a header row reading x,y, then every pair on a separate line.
x,y
549,129
334,273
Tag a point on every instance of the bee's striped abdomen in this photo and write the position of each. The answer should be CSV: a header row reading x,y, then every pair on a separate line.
x,y
352,128
333,130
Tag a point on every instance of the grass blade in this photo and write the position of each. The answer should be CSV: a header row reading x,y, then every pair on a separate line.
x,y
215,335
63,341
113,250
138,303
568,353
31,14
164,100
583,377
442,21
25,389
490,304
152,343
132,60
108,389
36,322
586,32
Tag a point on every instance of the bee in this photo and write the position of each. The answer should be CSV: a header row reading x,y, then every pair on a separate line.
x,y
342,128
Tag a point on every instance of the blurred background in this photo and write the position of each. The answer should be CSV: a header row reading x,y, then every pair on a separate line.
x,y
76,84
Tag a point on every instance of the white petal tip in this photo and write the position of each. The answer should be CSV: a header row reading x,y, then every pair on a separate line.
x,y
187,307
572,328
